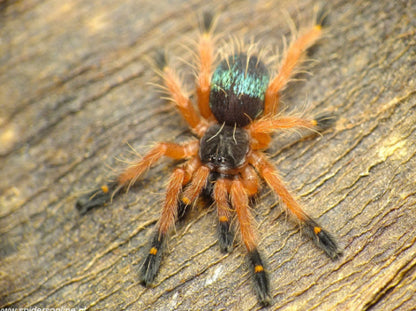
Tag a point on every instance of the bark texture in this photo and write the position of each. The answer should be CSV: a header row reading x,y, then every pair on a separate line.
x,y
74,92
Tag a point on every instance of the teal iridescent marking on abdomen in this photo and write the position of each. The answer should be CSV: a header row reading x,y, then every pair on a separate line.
x,y
238,88
236,79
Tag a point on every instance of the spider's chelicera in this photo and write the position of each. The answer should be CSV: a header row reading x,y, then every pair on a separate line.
x,y
237,114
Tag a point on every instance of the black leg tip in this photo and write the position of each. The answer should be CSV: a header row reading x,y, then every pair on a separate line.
x,y
260,278
96,198
329,245
149,269
207,21
325,121
160,59
83,205
322,18
262,288
322,239
151,264
225,237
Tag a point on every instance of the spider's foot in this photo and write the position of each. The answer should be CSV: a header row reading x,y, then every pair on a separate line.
x,y
207,21
225,235
96,198
260,277
151,264
322,16
160,59
325,121
322,239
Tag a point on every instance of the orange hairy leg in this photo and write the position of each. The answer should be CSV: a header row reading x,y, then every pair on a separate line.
x,y
225,233
105,193
293,57
311,228
268,172
271,125
170,206
171,150
183,103
239,200
190,168
169,215
206,59
167,219
261,129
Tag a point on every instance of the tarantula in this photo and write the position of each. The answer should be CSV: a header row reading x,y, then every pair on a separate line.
x,y
237,102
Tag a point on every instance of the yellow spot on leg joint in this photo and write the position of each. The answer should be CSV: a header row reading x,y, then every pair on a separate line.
x,y
258,268
223,218
153,251
186,200
317,230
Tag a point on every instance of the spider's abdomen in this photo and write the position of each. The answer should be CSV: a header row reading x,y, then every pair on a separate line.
x,y
238,86
224,148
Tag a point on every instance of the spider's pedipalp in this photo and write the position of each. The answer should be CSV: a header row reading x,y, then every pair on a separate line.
x,y
197,184
250,180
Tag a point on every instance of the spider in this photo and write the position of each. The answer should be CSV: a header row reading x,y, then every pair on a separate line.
x,y
238,103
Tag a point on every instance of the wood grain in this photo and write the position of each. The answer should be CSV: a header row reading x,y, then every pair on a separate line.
x,y
74,92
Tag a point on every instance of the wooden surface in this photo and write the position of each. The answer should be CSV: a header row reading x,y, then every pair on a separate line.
x,y
74,92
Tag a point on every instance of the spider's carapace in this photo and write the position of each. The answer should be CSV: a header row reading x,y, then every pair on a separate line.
x,y
237,102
